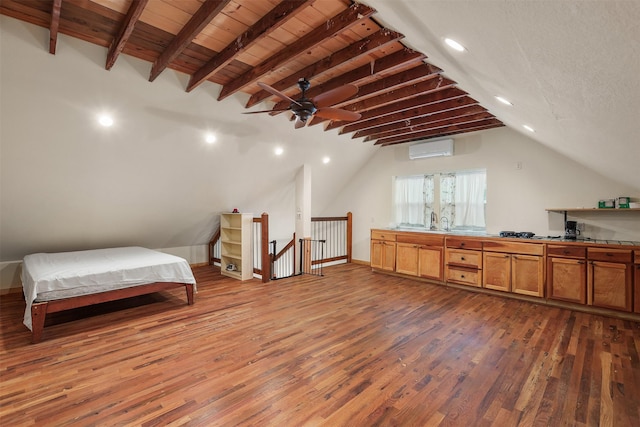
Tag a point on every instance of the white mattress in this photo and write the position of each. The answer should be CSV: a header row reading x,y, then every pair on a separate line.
x,y
49,276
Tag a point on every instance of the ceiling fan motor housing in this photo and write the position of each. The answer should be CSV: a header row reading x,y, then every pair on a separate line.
x,y
303,109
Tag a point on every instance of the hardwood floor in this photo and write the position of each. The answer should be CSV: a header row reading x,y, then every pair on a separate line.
x,y
352,348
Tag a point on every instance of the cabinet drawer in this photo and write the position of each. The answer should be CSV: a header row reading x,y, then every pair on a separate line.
x,y
464,243
637,257
383,235
421,239
566,251
610,255
513,247
471,259
465,276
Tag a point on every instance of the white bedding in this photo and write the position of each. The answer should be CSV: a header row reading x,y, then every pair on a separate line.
x,y
48,276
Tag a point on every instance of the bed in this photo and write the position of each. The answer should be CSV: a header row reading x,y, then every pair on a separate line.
x,y
55,282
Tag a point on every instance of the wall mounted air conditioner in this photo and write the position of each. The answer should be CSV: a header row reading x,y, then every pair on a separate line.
x,y
437,148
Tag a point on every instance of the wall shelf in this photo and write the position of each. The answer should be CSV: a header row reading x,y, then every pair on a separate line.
x,y
566,211
561,210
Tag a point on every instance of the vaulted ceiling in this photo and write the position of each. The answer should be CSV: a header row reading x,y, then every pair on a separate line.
x,y
263,47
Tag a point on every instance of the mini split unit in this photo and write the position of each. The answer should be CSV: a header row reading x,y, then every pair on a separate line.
x,y
437,148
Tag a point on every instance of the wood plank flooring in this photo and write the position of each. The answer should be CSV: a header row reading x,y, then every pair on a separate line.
x,y
352,348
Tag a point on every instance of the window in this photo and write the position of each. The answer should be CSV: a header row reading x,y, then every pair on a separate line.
x,y
424,201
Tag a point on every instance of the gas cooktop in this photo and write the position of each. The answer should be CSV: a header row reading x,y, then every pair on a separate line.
x,y
520,234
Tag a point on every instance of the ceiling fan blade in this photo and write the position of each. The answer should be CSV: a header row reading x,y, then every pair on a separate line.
x,y
337,114
267,111
299,123
335,95
277,93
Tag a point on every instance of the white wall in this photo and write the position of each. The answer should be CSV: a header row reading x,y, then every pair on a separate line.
x,y
516,198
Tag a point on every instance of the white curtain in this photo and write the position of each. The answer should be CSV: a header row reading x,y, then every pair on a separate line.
x,y
410,200
470,199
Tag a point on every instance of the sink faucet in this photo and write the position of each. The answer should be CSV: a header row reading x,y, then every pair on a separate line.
x,y
444,221
434,220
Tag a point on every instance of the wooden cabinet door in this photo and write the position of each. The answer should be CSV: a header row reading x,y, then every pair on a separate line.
x,y
567,279
609,285
430,262
377,251
636,305
407,258
389,256
527,275
496,271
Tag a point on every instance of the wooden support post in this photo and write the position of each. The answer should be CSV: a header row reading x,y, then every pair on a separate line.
x,y
306,255
264,251
349,235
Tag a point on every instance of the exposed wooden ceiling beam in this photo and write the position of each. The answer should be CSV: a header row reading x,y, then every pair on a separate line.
x,y
126,28
277,17
377,131
376,114
456,100
199,20
333,26
421,72
362,47
434,124
414,75
402,93
55,24
366,73
439,131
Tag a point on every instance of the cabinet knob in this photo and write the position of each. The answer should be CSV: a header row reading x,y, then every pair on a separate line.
x,y
462,276
462,258
462,244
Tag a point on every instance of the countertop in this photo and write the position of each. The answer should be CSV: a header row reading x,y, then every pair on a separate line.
x,y
547,239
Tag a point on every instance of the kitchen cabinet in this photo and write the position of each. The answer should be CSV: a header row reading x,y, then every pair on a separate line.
x,y
420,255
609,278
567,273
514,267
636,281
383,250
463,261
497,274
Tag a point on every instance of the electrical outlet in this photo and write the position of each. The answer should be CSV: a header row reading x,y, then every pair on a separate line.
x,y
519,165
580,226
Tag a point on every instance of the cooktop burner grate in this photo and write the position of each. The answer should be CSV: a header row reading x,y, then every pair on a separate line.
x,y
520,234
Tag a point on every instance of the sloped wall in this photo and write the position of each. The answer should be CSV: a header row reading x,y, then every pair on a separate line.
x,y
150,179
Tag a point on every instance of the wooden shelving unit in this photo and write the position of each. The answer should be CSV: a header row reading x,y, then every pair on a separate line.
x,y
235,245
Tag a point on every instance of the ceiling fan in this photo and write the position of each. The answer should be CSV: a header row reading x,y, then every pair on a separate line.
x,y
304,108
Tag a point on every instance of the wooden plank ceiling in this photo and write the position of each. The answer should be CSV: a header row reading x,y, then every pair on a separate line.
x,y
237,43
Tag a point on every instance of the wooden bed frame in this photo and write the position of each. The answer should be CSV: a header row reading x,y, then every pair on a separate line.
x,y
39,310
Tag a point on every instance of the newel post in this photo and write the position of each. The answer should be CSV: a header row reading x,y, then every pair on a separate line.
x,y
349,235
264,251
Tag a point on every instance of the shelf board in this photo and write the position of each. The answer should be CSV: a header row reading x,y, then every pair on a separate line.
x,y
592,209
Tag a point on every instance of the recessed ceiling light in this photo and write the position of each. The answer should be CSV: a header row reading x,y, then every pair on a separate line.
x,y
210,138
326,160
503,100
105,120
529,128
279,151
454,45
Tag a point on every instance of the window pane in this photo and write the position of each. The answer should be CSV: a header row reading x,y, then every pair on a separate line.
x,y
409,200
